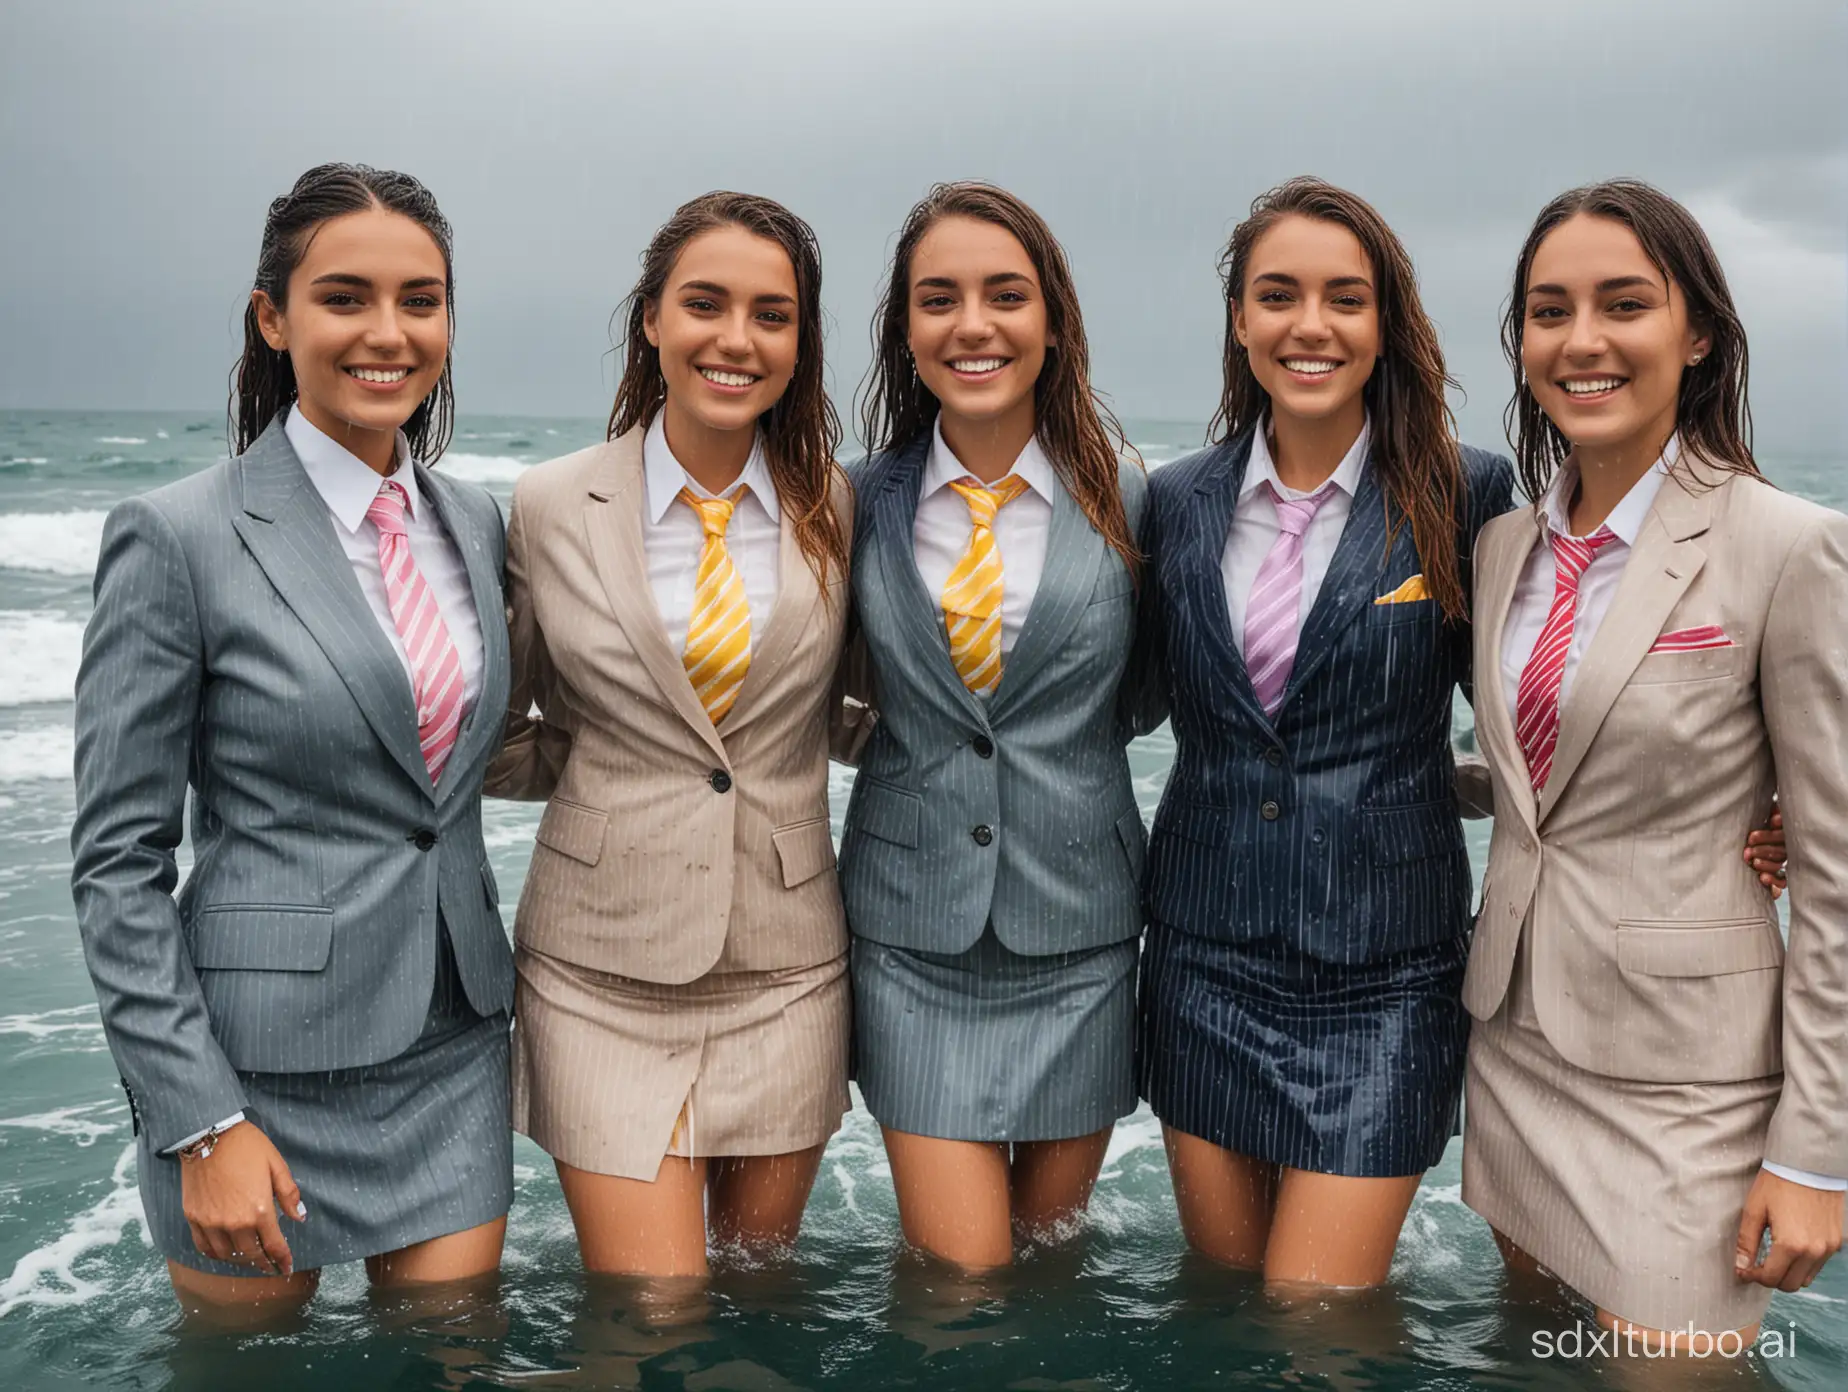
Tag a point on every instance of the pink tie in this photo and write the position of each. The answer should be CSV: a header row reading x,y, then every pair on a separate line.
x,y
436,669
1272,612
1536,708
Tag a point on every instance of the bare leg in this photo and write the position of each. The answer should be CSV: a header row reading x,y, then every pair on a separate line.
x,y
461,1256
1224,1198
1527,1280
953,1198
636,1227
1335,1230
757,1200
236,1303
1050,1182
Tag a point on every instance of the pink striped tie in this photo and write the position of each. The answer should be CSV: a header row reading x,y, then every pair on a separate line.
x,y
1272,614
436,669
1536,708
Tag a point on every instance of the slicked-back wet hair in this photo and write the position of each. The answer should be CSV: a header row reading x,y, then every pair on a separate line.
x,y
263,382
1713,416
801,432
1413,432
1081,437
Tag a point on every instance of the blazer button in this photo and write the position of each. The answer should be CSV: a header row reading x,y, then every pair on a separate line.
x,y
720,780
983,835
423,838
1269,810
983,746
1274,757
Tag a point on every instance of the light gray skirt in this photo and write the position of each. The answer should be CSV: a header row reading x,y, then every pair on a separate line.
x,y
989,1045
387,1155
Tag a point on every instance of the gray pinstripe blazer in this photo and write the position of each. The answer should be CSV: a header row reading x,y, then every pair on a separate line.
x,y
1017,809
231,649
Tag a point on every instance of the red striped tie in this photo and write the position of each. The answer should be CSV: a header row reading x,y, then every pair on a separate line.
x,y
1537,698
436,668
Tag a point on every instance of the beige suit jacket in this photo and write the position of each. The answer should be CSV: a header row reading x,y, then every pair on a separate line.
x,y
668,848
1656,954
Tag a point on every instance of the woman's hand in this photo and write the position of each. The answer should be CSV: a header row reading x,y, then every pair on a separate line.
x,y
230,1199
1806,1230
1764,852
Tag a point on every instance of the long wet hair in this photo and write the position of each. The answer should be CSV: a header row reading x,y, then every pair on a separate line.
x,y
1081,437
1713,416
263,382
1414,444
801,432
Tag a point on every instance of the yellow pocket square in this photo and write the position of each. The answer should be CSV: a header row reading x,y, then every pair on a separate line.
x,y
1406,593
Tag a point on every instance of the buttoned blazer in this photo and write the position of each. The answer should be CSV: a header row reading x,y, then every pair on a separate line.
x,y
232,650
1017,809
1332,826
668,848
1656,954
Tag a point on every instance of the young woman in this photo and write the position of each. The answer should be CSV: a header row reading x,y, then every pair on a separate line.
x,y
1655,1078
307,635
992,849
678,598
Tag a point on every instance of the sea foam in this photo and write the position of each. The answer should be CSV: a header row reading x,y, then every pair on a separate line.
x,y
482,468
37,756
42,651
51,543
48,1275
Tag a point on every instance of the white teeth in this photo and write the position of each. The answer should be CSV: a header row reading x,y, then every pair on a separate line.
x,y
727,379
375,374
1601,384
978,364
1316,368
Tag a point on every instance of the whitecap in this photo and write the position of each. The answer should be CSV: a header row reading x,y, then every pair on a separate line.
x,y
483,468
120,440
37,756
51,543
79,1122
50,1024
28,459
44,649
47,1276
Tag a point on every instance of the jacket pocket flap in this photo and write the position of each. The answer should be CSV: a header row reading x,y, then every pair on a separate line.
x,y
262,937
1195,822
1711,949
881,810
806,849
1400,835
573,830
1135,841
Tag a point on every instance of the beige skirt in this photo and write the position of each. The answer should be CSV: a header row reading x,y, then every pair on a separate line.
x,y
610,1075
1628,1192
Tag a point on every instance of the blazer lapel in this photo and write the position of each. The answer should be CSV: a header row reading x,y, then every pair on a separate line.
x,y
1349,585
1495,584
1074,551
1662,565
1203,578
796,594
484,583
613,523
285,525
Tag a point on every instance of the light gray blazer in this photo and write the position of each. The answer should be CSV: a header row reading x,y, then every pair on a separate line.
x,y
231,649
1018,808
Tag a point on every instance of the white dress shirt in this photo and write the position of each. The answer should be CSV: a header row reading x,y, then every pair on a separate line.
x,y
1254,527
1533,601
941,533
673,536
348,485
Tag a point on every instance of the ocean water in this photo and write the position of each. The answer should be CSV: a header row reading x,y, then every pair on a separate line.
x,y
84,1300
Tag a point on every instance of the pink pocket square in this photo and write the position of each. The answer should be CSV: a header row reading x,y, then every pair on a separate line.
x,y
1692,639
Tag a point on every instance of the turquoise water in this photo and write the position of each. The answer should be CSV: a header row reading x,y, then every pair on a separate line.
x,y
84,1301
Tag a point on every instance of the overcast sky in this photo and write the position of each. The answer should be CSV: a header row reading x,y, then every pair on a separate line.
x,y
140,143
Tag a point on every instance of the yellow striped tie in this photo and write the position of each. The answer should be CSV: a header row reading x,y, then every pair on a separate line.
x,y
719,633
972,595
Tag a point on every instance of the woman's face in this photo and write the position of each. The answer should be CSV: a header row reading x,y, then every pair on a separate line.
x,y
726,329
1308,317
976,322
366,325
1605,337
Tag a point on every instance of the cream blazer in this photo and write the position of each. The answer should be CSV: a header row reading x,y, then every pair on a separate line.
x,y
668,848
1656,953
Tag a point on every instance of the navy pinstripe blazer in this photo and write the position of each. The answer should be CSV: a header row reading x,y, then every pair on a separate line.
x,y
1019,809
1333,829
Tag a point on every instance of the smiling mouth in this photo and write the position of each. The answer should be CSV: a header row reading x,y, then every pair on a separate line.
x,y
379,376
977,367
1311,367
719,377
1592,386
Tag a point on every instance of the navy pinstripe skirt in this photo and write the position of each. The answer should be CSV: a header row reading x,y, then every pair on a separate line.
x,y
1346,1070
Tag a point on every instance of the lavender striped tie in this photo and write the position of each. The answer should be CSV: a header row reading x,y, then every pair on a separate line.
x,y
1272,612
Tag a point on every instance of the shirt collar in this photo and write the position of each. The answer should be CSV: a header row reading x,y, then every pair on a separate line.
x,y
666,476
346,483
1627,518
943,467
1261,468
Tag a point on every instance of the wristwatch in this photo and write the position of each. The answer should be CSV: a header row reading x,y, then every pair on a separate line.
x,y
201,1148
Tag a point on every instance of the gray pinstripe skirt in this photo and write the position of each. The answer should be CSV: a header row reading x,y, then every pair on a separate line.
x,y
387,1155
990,1045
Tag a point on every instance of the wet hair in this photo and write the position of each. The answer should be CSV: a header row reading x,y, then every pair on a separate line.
x,y
1713,416
263,382
1413,435
1081,437
801,432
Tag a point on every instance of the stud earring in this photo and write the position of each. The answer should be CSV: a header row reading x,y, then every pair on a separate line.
x,y
1694,361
